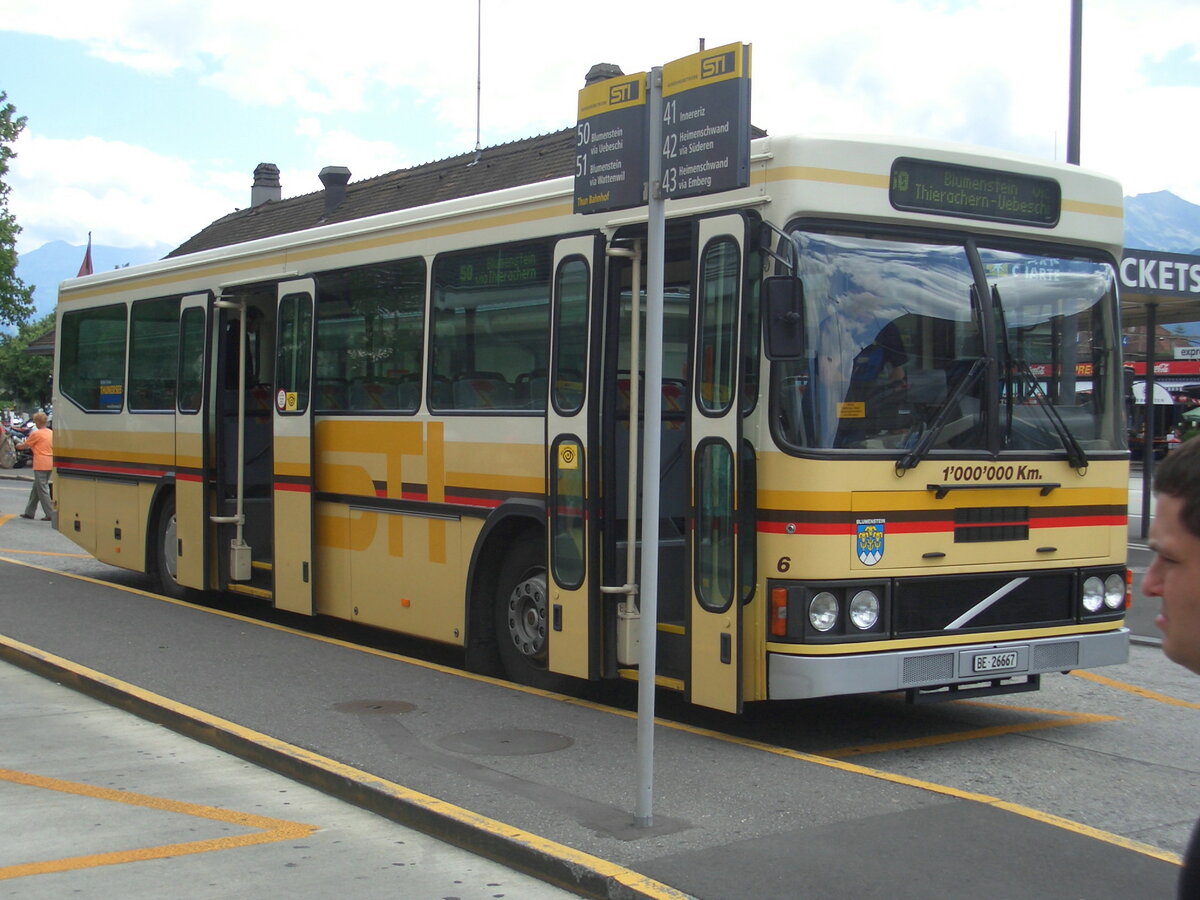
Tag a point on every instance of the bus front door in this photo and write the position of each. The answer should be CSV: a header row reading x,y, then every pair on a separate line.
x,y
572,540
292,468
714,613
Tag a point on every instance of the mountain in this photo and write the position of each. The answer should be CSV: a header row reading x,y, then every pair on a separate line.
x,y
57,261
1162,221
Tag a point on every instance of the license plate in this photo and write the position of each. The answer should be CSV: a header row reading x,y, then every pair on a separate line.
x,y
994,662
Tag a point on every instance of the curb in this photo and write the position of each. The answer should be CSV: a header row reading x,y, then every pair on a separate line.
x,y
554,863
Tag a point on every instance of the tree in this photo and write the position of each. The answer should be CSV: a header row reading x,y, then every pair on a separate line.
x,y
16,300
25,378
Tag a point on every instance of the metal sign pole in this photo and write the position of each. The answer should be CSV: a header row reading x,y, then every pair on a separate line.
x,y
651,447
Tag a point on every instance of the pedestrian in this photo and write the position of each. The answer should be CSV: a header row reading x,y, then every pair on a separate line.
x,y
41,442
1174,577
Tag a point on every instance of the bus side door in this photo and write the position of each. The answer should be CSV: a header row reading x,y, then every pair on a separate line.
x,y
715,625
292,473
191,445
573,546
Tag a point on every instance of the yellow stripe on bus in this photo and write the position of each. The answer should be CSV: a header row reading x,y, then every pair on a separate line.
x,y
397,235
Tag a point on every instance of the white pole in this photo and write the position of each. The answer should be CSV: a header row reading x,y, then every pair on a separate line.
x,y
652,440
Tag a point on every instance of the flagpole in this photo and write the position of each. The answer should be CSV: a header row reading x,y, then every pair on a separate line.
x,y
85,267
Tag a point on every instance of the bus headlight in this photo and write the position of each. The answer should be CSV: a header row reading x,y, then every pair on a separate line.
x,y
1093,593
864,610
823,611
1114,591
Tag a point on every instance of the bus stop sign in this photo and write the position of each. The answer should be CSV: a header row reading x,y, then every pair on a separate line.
x,y
611,156
706,122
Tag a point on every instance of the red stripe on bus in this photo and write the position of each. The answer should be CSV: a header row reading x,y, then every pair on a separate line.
x,y
893,527
293,486
70,468
1078,522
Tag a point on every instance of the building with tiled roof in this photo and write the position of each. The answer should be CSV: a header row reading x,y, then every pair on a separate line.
x,y
520,162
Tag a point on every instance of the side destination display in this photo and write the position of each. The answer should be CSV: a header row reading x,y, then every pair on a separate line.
x,y
611,157
706,122
944,189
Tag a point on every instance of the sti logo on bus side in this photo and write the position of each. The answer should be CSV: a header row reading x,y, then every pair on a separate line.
x,y
623,93
721,64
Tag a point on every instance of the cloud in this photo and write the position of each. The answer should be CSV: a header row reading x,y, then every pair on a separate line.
x,y
379,87
127,195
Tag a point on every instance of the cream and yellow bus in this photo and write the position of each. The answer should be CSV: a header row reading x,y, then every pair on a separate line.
x,y
892,437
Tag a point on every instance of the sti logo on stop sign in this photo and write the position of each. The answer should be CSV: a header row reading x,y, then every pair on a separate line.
x,y
720,64
626,92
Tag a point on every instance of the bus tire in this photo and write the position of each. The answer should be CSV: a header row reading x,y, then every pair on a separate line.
x,y
522,618
165,550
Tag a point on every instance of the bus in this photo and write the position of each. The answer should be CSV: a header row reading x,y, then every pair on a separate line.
x,y
878,470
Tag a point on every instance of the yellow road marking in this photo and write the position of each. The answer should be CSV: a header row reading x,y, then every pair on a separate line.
x,y
943,789
635,881
1138,691
271,830
1063,719
853,768
43,552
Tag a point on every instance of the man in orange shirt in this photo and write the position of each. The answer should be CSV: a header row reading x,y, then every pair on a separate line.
x,y
41,442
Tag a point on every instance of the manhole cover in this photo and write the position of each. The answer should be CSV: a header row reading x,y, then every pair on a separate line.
x,y
374,707
505,742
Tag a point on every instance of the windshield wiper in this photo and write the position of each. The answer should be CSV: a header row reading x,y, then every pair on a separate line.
x,y
914,456
1076,455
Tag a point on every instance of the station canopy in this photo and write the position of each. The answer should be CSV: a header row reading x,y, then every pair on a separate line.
x,y
1168,282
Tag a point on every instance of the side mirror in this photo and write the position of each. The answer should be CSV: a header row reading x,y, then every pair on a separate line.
x,y
783,317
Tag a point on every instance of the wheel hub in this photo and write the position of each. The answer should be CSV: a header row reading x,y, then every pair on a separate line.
x,y
527,614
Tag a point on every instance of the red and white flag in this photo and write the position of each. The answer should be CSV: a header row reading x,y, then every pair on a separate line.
x,y
85,268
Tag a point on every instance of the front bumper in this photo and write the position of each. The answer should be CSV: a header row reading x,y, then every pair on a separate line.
x,y
798,677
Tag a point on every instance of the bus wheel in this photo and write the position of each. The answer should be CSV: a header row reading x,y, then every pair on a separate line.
x,y
166,551
523,617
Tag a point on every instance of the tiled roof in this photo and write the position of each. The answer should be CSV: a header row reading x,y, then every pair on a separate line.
x,y
520,162
526,161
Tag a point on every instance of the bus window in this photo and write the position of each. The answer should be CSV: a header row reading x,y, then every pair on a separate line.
x,y
892,330
370,329
292,362
491,325
92,358
715,533
570,328
191,360
567,514
718,325
153,342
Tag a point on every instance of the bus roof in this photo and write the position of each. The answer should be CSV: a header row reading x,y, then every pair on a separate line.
x,y
816,169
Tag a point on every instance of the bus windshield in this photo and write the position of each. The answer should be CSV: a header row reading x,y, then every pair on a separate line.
x,y
906,349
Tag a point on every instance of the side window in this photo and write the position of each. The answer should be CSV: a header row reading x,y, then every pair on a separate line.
x,y
716,541
491,328
717,346
570,334
191,360
751,331
370,330
293,353
91,365
153,346
567,513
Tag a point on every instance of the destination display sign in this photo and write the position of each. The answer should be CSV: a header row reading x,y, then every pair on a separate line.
x,y
611,156
944,189
706,122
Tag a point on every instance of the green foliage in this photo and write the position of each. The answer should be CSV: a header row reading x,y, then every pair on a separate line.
x,y
16,300
25,378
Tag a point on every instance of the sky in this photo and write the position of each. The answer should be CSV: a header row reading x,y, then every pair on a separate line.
x,y
146,118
